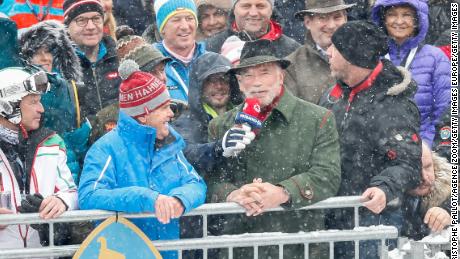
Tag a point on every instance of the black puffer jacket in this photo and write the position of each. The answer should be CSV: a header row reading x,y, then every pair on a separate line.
x,y
101,80
193,124
378,131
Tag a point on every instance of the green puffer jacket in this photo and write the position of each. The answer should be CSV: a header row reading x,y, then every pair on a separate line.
x,y
297,148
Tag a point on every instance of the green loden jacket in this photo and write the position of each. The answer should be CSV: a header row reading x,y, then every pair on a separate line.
x,y
297,148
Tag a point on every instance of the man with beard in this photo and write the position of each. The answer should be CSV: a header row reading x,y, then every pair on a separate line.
x,y
378,127
293,162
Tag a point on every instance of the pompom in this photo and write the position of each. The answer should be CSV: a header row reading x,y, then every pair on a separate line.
x,y
123,31
127,67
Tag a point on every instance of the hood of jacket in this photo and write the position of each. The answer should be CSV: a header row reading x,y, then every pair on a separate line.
x,y
442,183
421,9
206,65
52,35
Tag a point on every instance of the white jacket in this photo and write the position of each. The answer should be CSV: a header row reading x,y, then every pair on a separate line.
x,y
49,176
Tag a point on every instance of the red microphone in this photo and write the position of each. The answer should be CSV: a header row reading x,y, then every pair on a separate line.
x,y
250,114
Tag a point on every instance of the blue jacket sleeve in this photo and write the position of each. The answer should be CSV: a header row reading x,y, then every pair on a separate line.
x,y
192,192
98,187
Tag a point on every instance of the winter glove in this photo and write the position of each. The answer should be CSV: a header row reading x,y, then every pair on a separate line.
x,y
236,139
31,203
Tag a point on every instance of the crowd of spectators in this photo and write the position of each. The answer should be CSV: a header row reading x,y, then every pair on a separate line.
x,y
160,106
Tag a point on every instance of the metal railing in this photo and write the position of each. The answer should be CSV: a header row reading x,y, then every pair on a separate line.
x,y
230,241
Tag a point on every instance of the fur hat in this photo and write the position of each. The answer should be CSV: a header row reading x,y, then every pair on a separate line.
x,y
165,9
53,36
361,43
140,92
73,8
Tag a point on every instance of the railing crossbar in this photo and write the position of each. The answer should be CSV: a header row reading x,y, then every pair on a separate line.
x,y
255,239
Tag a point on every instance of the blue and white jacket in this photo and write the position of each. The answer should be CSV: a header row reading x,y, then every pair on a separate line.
x,y
177,73
123,171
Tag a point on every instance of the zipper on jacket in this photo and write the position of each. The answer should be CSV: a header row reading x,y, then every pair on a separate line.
x,y
97,87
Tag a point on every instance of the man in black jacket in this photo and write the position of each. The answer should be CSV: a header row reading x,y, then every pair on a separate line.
x,y
97,53
377,124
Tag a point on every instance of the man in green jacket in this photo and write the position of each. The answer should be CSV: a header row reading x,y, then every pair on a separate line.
x,y
294,160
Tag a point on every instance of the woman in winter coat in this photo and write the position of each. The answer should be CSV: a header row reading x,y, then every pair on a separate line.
x,y
406,22
47,45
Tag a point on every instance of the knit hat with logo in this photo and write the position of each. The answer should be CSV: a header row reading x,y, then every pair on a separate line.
x,y
165,9
73,8
135,48
140,92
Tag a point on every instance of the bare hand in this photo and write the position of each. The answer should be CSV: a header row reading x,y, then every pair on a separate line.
x,y
249,197
272,197
5,211
437,219
51,207
377,199
167,207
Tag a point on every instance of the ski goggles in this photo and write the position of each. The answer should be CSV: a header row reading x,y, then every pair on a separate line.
x,y
35,84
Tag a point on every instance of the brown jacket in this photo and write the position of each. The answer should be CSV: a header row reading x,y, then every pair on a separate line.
x,y
309,75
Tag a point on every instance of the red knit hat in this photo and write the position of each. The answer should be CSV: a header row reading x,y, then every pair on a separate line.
x,y
140,92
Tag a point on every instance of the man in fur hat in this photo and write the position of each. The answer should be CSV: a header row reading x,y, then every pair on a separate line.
x,y
427,208
378,130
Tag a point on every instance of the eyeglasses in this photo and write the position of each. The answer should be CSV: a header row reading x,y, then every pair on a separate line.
x,y
83,21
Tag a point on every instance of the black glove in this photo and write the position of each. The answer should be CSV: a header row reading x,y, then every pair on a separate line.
x,y
31,203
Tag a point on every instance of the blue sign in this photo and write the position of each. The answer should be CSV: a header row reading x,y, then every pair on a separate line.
x,y
117,239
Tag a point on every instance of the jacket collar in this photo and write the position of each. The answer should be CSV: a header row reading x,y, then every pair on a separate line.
x,y
275,32
285,107
144,138
311,44
107,49
200,49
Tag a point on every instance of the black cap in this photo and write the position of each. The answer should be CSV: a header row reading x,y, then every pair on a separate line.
x,y
361,43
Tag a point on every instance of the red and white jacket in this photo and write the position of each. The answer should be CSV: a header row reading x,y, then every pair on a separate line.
x,y
49,176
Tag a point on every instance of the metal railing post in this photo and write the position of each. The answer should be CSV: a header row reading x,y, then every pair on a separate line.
x,y
306,249
51,234
356,249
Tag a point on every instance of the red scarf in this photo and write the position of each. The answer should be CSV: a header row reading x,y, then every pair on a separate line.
x,y
274,33
367,83
265,112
